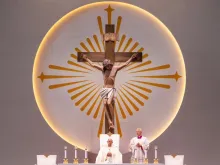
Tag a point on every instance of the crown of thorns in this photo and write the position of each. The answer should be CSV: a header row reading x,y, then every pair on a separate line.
x,y
106,62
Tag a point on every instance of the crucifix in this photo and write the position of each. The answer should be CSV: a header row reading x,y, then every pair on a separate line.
x,y
110,55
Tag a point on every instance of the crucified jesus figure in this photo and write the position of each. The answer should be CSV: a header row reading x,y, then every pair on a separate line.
x,y
108,92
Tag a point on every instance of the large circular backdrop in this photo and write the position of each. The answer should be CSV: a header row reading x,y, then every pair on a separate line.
x,y
149,94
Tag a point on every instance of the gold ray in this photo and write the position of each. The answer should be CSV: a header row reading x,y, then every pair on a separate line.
x,y
78,65
129,100
145,56
142,88
118,123
175,76
84,46
97,42
79,87
121,42
84,97
65,84
100,25
121,109
140,65
154,68
127,44
77,50
118,24
127,107
140,94
80,93
97,109
134,46
66,69
100,28
109,12
153,84
93,104
90,44
89,100
134,97
43,77
118,27
101,122
74,56
141,49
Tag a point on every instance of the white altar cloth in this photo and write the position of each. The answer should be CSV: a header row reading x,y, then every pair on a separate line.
x,y
109,164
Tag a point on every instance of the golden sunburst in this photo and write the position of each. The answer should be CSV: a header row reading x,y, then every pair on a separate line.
x,y
85,93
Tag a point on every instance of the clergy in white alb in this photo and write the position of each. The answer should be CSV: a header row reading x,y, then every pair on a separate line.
x,y
109,154
138,146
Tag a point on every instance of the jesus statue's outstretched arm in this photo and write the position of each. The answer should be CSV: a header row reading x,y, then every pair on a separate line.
x,y
127,62
91,63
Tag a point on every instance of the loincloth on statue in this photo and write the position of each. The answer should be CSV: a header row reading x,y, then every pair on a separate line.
x,y
106,93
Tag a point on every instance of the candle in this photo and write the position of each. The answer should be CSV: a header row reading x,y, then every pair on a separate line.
x,y
75,152
155,151
65,152
145,154
86,154
135,154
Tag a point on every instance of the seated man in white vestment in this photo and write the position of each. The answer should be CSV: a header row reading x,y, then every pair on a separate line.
x,y
46,160
109,153
138,146
174,159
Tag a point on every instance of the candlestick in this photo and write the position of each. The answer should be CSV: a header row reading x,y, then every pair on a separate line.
x,y
65,160
75,160
65,148
135,154
145,154
86,160
145,161
155,147
75,152
156,159
135,157
86,154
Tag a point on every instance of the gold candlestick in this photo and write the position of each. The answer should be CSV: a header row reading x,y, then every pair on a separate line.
x,y
135,161
145,161
75,161
156,161
86,161
65,161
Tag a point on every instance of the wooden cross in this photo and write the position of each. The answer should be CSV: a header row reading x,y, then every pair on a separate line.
x,y
109,54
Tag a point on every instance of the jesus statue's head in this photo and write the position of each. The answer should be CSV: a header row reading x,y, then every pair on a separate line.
x,y
107,64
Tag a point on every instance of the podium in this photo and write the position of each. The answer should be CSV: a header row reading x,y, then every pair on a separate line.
x,y
46,160
174,159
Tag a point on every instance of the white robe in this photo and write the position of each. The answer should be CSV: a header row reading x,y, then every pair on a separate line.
x,y
102,157
137,152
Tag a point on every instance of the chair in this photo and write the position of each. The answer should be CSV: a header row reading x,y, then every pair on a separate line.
x,y
46,160
174,159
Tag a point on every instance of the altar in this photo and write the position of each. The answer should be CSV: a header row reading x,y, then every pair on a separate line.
x,y
112,164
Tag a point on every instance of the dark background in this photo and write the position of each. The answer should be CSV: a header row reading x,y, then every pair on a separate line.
x,y
195,131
